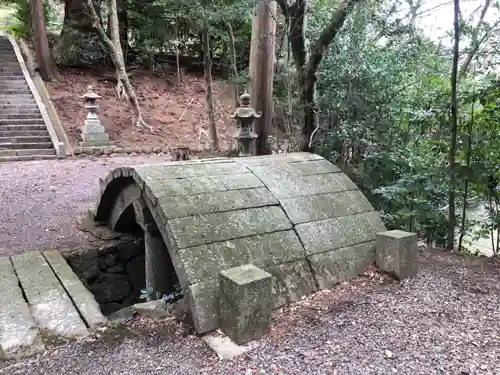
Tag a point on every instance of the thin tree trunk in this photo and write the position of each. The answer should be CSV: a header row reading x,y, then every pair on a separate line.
x,y
234,66
207,64
452,219
177,54
466,187
46,63
123,87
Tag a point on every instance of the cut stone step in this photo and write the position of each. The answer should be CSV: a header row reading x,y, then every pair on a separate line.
x,y
27,158
24,102
25,139
22,127
26,121
15,91
25,146
18,110
16,98
18,116
13,73
19,336
28,152
51,307
25,133
83,299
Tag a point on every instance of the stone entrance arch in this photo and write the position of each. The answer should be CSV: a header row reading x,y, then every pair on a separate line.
x,y
296,216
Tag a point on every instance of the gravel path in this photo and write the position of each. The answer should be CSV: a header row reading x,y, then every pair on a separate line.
x,y
444,321
41,199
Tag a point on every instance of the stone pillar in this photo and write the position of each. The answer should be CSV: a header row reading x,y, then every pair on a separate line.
x,y
245,132
396,253
245,303
157,264
93,133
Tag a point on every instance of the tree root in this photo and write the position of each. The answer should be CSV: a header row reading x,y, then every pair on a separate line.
x,y
121,93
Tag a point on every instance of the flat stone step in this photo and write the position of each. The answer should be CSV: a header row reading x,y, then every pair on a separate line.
x,y
4,159
19,110
25,102
15,91
52,309
16,98
26,139
19,335
34,152
22,128
9,106
84,301
25,121
11,73
26,145
18,116
25,133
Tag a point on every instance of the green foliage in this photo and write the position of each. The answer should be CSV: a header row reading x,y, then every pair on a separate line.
x,y
20,20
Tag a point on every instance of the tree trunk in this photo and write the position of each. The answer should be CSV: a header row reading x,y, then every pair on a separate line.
x,y
452,219
261,82
124,87
234,66
78,44
307,66
207,65
46,63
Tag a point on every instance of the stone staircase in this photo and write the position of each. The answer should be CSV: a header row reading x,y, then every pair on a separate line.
x,y
23,133
42,301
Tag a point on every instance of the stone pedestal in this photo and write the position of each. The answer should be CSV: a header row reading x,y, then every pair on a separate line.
x,y
157,264
396,253
245,303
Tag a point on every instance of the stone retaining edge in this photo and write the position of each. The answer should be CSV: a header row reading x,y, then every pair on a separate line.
x,y
46,119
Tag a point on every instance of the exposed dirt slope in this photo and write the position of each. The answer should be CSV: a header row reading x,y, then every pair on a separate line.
x,y
177,114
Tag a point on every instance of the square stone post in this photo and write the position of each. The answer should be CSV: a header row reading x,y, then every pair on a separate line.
x,y
396,252
245,303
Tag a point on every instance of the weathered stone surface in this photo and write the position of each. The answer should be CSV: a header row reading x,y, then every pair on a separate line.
x,y
158,266
204,184
191,205
291,281
209,228
83,300
111,287
85,264
284,183
334,267
202,300
51,307
325,206
217,214
331,234
136,270
206,261
245,303
189,170
396,252
19,335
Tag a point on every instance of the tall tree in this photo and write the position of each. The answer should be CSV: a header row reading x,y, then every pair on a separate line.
x,y
307,62
46,63
452,219
207,65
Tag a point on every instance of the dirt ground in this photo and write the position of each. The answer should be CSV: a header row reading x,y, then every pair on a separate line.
x,y
177,114
444,321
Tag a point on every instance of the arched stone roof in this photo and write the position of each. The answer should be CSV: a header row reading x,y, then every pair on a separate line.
x,y
295,215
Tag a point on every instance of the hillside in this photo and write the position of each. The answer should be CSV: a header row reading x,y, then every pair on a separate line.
x,y
176,114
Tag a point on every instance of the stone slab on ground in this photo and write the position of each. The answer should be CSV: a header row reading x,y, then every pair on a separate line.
x,y
224,346
19,335
51,307
82,298
245,303
396,252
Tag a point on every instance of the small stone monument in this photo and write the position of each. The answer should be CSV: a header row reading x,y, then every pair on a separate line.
x,y
245,117
93,133
245,303
396,253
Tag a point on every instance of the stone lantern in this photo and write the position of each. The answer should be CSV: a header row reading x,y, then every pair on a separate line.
x,y
93,133
245,133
